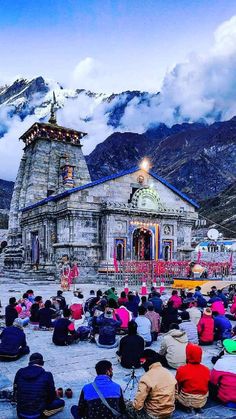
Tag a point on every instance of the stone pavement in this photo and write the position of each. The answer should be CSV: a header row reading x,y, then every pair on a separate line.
x,y
73,366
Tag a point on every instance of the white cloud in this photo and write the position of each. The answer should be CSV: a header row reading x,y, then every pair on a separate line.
x,y
87,73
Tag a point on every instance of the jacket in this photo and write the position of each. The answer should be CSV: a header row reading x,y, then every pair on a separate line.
x,y
191,330
155,320
91,407
10,314
193,378
107,329
194,314
45,317
218,306
233,307
157,303
205,329
173,346
177,301
169,315
62,328
224,376
130,351
76,311
223,326
125,316
12,339
34,311
156,391
144,328
34,389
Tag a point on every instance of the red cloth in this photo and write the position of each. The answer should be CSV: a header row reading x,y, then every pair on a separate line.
x,y
218,306
125,316
76,311
224,375
122,301
205,329
233,307
193,378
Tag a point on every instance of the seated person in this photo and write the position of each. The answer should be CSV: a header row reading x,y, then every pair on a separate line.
x,y
223,375
157,302
108,327
46,315
222,327
132,304
34,391
61,300
123,298
189,327
155,397
194,312
125,316
193,379
64,330
90,405
173,347
177,300
25,305
205,328
34,309
131,347
144,326
169,315
13,342
76,308
10,312
155,320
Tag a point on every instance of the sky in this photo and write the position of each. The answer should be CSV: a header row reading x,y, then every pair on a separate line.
x,y
105,45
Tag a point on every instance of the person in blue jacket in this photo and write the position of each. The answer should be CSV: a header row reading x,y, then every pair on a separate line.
x,y
90,405
108,324
222,326
13,342
34,391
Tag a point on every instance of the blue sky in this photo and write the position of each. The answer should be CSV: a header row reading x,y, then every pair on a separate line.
x,y
106,45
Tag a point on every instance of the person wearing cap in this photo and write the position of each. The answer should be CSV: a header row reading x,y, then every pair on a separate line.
x,y
155,397
173,347
193,380
10,312
13,342
205,328
108,324
34,391
155,320
223,375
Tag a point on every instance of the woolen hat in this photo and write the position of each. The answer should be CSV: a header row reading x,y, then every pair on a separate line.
x,y
18,323
36,358
230,346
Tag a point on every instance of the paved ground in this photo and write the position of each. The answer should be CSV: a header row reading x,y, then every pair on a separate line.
x,y
73,366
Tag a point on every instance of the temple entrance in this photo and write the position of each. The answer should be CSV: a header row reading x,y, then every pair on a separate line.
x,y
142,244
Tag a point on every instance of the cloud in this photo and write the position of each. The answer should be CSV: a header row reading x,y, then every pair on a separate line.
x,y
87,73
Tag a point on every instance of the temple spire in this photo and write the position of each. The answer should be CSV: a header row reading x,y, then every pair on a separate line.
x,y
53,119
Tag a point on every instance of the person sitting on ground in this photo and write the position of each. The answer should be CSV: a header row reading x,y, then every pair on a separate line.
x,y
222,327
125,316
46,314
13,342
34,309
205,328
232,316
144,326
25,305
218,307
64,330
169,315
10,312
61,300
34,391
122,299
131,347
223,375
76,308
189,327
156,301
144,301
223,297
30,294
173,347
215,358
111,293
108,327
194,312
177,300
155,397
193,380
90,405
132,304
201,301
155,321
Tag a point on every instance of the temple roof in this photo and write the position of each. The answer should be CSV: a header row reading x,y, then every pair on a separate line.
x,y
52,132
106,179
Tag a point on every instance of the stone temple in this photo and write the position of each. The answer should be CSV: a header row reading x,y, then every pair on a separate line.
x,y
57,211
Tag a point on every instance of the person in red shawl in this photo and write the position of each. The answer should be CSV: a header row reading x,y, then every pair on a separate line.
x,y
74,274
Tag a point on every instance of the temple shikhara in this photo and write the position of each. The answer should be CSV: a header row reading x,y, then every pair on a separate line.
x,y
58,212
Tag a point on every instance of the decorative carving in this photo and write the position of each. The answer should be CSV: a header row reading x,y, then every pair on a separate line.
x,y
140,179
147,198
167,229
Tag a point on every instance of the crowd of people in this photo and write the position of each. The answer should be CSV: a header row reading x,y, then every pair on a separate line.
x,y
184,322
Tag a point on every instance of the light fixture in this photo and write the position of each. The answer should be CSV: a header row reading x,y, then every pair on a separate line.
x,y
145,164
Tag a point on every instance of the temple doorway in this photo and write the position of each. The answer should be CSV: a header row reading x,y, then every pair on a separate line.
x,y
142,244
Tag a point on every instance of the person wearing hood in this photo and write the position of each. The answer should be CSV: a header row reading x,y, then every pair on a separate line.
x,y
34,391
173,347
193,380
13,342
155,397
205,328
223,375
